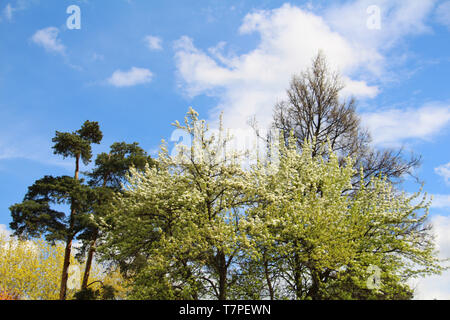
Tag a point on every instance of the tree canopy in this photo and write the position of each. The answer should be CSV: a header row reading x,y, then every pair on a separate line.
x,y
319,216
37,214
202,225
316,111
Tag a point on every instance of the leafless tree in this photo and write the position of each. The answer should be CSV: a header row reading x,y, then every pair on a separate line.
x,y
314,111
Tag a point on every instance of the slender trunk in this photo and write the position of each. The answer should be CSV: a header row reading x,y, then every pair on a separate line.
x,y
77,167
65,270
90,257
92,248
68,250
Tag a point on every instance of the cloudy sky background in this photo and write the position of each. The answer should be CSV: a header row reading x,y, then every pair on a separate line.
x,y
136,66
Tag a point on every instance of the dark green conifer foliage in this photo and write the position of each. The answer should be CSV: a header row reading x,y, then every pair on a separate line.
x,y
35,215
106,178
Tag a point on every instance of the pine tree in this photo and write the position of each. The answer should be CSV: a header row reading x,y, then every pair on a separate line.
x,y
35,215
106,178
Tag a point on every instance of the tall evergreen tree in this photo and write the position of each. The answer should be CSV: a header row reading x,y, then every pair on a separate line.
x,y
35,216
106,178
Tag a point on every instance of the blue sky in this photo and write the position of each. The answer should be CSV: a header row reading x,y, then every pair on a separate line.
x,y
136,66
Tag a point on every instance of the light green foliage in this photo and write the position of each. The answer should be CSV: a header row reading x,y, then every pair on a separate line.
x,y
322,234
32,269
183,218
201,226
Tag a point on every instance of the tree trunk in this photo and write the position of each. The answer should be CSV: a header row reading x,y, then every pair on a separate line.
x,y
77,167
222,275
297,277
92,249
90,257
65,270
313,292
68,250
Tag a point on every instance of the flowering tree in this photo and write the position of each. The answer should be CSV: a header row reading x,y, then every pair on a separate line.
x,y
202,225
30,270
316,238
184,218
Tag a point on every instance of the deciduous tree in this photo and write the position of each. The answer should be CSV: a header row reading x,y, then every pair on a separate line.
x,y
316,111
202,225
322,240
182,219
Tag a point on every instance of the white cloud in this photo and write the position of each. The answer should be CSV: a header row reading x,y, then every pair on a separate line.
x,y
441,227
4,231
251,83
36,150
395,126
441,201
48,39
438,286
443,13
153,42
444,171
398,18
20,140
130,78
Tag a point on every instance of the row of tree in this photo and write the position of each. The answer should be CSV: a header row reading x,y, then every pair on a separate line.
x,y
295,228
38,214
310,225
